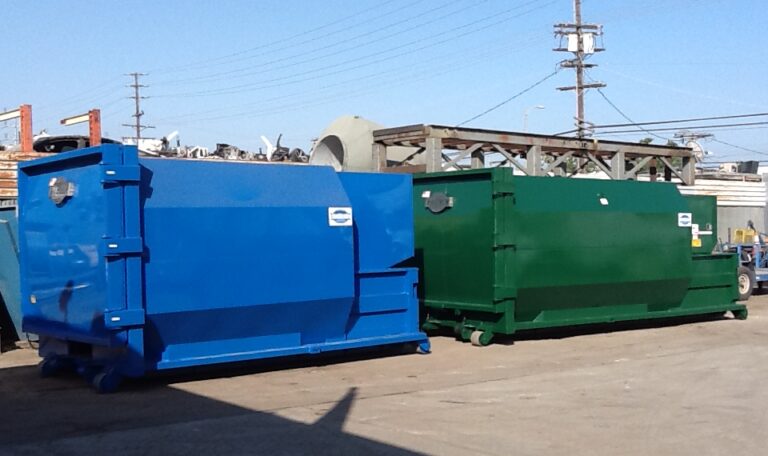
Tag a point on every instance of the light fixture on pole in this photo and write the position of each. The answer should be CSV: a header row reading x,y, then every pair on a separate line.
x,y
525,116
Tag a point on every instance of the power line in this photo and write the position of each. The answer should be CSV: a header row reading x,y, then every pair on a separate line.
x,y
268,66
218,60
413,73
648,130
452,36
305,102
660,122
739,147
616,108
498,105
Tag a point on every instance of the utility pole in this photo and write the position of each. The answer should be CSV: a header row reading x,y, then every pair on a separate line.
x,y
580,41
137,102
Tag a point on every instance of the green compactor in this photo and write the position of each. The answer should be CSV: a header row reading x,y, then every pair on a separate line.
x,y
501,253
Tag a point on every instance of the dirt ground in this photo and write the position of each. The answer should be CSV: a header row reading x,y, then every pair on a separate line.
x,y
684,388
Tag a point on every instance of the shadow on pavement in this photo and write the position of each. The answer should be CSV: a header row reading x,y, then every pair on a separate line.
x,y
64,416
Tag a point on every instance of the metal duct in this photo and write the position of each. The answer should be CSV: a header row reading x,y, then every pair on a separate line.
x,y
346,144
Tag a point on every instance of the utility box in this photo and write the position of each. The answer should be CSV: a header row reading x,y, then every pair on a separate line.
x,y
501,253
131,265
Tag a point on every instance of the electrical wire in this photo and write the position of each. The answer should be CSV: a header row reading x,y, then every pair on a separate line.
x,y
305,102
660,122
518,94
269,66
739,147
452,36
616,108
215,61
380,79
648,130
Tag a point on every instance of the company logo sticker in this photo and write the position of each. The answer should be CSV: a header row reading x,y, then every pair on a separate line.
x,y
339,216
684,219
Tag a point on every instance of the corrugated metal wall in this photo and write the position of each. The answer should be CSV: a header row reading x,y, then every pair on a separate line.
x,y
737,202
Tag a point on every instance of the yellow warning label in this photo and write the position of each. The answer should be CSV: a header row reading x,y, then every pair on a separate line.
x,y
696,242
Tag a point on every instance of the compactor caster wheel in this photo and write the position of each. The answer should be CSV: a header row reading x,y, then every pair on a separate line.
x,y
428,327
480,338
50,367
740,314
106,382
424,347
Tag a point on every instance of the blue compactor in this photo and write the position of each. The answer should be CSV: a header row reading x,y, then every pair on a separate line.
x,y
132,265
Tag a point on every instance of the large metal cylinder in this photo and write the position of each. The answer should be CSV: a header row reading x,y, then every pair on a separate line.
x,y
347,144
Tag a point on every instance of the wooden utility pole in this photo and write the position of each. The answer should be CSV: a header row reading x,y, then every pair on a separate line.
x,y
580,40
137,103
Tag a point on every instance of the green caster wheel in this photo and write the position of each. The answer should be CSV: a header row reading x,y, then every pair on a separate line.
x,y
481,338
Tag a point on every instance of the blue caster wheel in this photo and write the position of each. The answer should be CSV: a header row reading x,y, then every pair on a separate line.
x,y
107,381
50,367
424,347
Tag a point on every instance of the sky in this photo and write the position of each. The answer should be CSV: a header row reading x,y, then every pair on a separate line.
x,y
231,71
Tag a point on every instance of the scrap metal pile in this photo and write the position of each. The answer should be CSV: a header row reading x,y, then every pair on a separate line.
x,y
277,153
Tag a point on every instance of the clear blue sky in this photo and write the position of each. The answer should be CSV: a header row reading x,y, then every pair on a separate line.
x,y
230,71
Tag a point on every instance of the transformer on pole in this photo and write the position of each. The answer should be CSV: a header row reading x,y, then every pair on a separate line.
x,y
581,40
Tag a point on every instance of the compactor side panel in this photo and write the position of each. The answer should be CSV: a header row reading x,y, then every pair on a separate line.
x,y
245,255
454,246
592,250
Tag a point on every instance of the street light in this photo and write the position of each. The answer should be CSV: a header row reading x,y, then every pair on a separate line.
x,y
525,116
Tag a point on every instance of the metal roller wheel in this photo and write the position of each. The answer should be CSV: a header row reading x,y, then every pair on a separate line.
x,y
49,367
740,314
106,382
480,338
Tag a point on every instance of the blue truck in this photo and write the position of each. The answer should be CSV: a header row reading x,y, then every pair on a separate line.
x,y
752,250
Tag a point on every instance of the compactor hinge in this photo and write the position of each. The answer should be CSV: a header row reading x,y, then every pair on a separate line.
x,y
117,319
120,173
503,188
122,246
501,295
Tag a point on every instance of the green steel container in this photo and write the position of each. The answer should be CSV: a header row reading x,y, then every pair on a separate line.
x,y
501,253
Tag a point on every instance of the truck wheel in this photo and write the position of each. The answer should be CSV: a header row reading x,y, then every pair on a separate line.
x,y
746,282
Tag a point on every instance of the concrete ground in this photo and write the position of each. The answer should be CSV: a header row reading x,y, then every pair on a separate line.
x,y
680,389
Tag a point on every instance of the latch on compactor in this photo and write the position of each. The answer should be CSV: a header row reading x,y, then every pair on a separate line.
x,y
59,189
437,202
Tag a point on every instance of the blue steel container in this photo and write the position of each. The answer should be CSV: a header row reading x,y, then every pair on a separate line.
x,y
132,265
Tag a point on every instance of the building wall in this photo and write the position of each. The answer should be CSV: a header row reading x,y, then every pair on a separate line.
x,y
737,217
